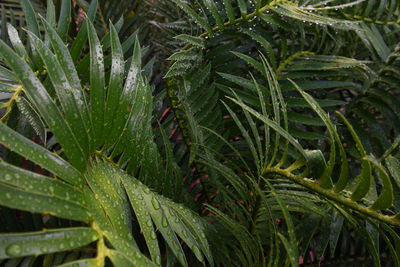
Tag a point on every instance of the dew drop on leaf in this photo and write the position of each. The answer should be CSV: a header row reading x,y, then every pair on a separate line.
x,y
164,222
13,250
155,203
153,235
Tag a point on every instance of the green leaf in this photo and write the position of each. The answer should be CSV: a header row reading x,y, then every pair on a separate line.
x,y
126,98
316,162
193,40
385,199
81,38
97,85
393,166
229,11
44,242
144,219
195,16
33,117
376,40
210,4
264,43
365,175
292,10
273,125
291,244
30,17
64,93
125,253
326,177
39,184
242,7
304,119
13,197
68,67
154,208
64,19
47,108
191,224
81,263
32,24
116,82
16,41
190,54
107,190
39,155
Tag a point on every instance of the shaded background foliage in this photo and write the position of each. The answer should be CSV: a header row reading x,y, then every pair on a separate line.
x,y
240,126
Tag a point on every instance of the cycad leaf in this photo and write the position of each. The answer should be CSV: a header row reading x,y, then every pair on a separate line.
x,y
326,178
39,155
229,10
195,16
30,17
64,19
68,66
193,40
144,219
119,259
116,81
126,98
365,175
47,108
129,253
385,199
393,166
160,220
97,84
192,224
46,241
81,263
36,183
13,197
292,10
108,191
33,117
64,92
274,126
32,25
16,41
169,218
210,4
291,244
377,41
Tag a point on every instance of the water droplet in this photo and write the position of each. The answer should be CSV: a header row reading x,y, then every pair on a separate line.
x,y
149,223
184,233
164,221
8,195
158,260
13,250
153,235
147,190
155,203
7,177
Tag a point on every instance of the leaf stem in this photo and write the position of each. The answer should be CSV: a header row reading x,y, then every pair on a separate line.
x,y
332,195
10,103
